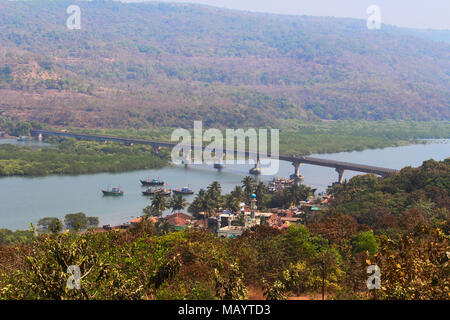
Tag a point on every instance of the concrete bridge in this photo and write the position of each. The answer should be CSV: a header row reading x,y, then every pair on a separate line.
x,y
296,161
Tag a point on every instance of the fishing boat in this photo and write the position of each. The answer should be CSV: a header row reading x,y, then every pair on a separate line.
x,y
184,191
152,182
164,192
152,192
148,192
113,192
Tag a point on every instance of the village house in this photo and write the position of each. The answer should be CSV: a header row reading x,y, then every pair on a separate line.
x,y
179,220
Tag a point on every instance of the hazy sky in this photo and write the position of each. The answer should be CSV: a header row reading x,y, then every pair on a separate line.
x,y
404,13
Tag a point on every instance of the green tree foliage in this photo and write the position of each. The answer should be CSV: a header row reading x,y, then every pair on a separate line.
x,y
233,199
290,196
249,186
50,224
157,207
76,157
231,287
416,267
79,221
8,237
207,201
397,204
177,202
365,241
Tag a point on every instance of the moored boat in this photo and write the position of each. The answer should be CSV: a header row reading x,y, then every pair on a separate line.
x,y
152,182
152,192
165,192
184,191
113,192
148,192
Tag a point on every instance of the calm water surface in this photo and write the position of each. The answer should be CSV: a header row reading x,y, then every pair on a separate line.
x,y
25,200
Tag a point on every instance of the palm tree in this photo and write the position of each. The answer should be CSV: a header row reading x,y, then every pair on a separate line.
x,y
214,190
238,193
296,193
177,202
159,204
260,193
249,186
199,203
214,199
232,202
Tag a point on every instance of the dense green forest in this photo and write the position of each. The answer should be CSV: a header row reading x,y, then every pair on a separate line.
x,y
402,226
77,157
143,64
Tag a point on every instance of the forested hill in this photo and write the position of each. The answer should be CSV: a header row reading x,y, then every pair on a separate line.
x,y
167,64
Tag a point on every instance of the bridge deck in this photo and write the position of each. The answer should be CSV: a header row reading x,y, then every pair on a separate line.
x,y
294,159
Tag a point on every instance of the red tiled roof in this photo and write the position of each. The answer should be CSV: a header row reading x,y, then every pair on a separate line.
x,y
178,219
139,219
179,215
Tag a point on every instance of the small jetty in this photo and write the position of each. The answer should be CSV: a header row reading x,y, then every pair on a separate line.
x,y
152,182
113,192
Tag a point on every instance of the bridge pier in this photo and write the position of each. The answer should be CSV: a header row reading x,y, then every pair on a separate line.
x,y
296,168
340,171
296,175
186,161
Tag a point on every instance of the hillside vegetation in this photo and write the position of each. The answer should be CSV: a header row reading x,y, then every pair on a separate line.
x,y
135,65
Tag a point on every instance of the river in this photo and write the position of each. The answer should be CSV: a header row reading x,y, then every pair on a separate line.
x,y
26,200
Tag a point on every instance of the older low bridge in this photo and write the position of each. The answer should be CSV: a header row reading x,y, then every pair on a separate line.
x,y
296,161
